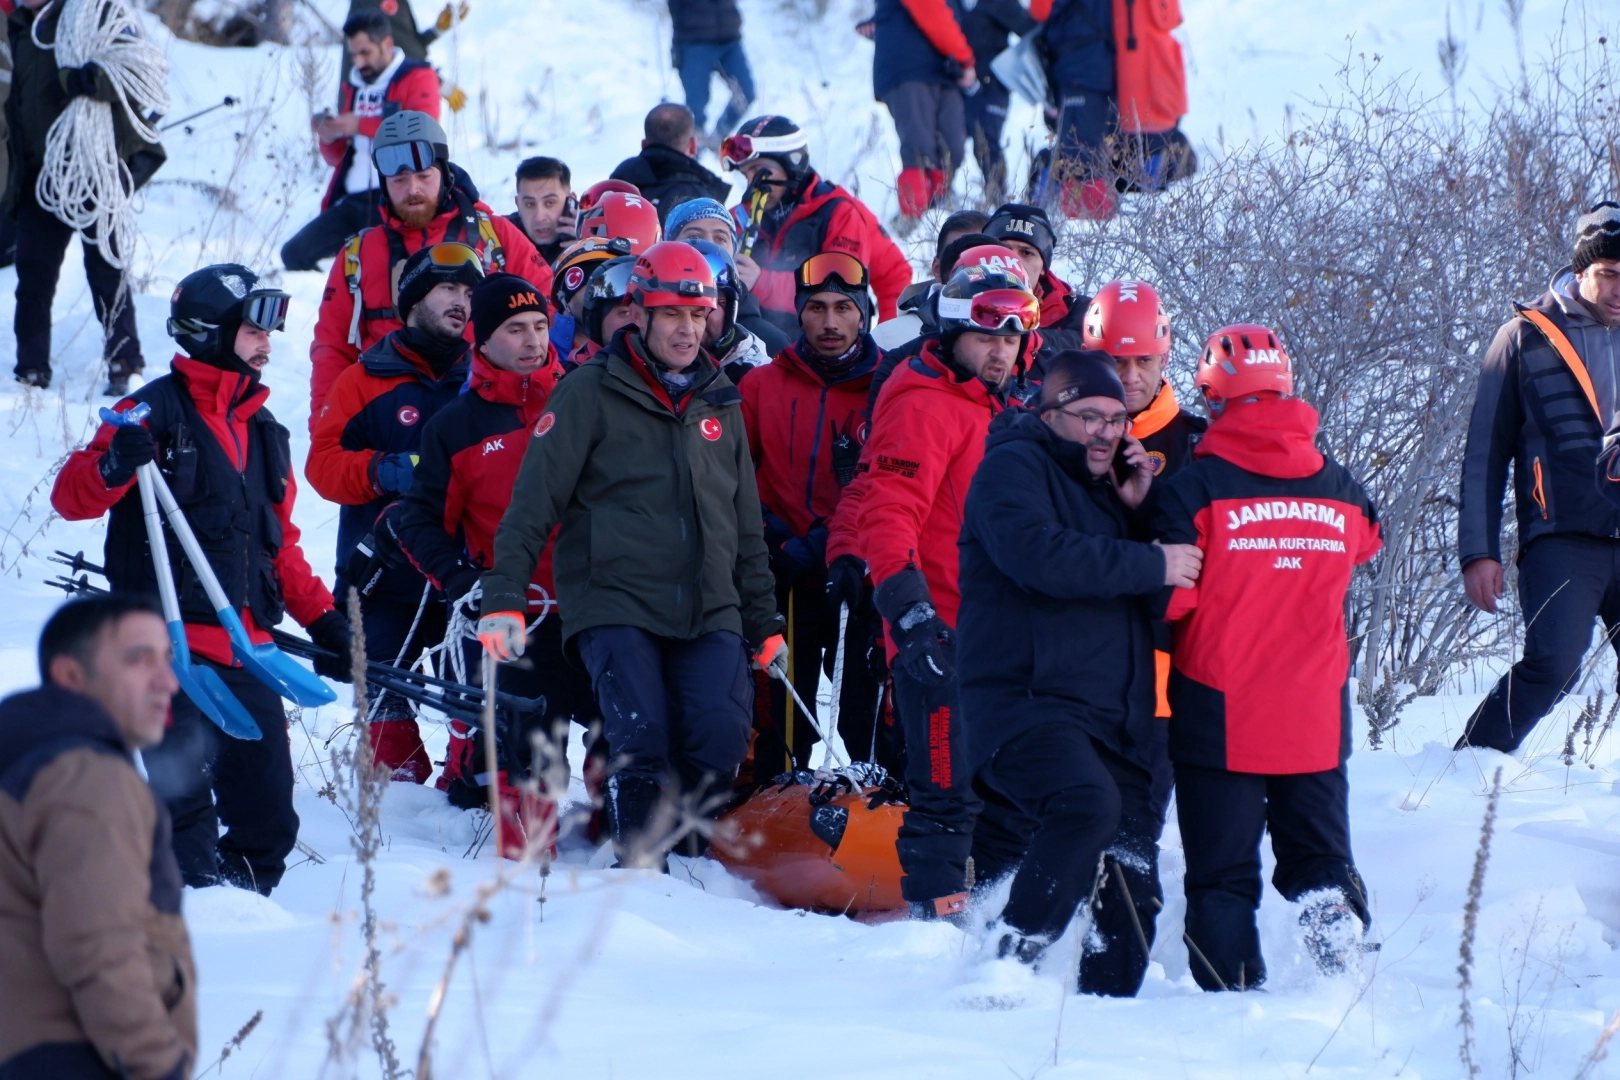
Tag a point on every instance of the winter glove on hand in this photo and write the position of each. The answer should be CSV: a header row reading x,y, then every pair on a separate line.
x,y
455,97
79,81
132,447
846,580
503,634
391,473
331,632
772,657
459,582
450,16
925,646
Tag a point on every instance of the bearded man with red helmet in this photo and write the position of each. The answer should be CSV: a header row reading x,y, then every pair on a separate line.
x,y
641,464
927,439
1259,697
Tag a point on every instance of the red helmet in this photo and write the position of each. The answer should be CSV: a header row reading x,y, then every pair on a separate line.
x,y
994,257
620,214
1126,319
1243,359
673,274
594,193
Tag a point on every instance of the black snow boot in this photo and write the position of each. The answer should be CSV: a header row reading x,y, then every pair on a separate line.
x,y
1332,932
1021,947
630,802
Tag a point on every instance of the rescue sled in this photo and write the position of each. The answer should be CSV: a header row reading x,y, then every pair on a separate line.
x,y
819,841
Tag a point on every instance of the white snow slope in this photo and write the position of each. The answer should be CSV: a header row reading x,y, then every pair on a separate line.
x,y
631,974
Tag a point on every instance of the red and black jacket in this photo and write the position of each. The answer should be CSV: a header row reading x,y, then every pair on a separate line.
x,y
229,465
802,428
376,408
823,217
471,453
1259,683
413,87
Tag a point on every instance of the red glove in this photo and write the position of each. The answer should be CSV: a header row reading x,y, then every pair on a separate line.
x,y
772,656
503,634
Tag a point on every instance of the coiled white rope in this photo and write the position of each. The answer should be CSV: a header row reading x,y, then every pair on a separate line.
x,y
83,182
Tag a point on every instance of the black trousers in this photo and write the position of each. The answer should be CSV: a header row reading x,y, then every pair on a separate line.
x,y
670,706
388,618
936,833
325,236
814,641
986,115
1084,118
1564,583
207,778
1087,803
42,243
1223,816
931,124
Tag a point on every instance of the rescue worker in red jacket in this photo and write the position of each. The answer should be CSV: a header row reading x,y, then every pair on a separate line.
x,y
926,443
470,454
362,456
789,213
381,82
1259,697
803,412
1028,232
228,462
425,201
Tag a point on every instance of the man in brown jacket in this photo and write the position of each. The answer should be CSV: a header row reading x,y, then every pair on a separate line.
x,y
95,965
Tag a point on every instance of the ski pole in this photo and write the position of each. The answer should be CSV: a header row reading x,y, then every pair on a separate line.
x,y
835,705
200,112
779,672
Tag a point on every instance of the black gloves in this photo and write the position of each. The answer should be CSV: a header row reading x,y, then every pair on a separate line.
x,y
460,581
131,448
925,645
79,81
331,632
794,557
846,579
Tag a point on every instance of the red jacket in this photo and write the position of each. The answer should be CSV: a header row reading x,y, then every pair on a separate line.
x,y
1058,302
926,442
413,86
81,495
342,333
794,418
826,218
1260,659
471,452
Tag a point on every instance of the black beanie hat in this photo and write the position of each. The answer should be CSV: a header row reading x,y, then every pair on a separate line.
x,y
1597,235
419,274
1021,221
498,298
1078,373
952,252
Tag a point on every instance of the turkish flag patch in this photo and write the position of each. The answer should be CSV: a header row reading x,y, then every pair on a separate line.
x,y
710,428
544,424
408,415
574,278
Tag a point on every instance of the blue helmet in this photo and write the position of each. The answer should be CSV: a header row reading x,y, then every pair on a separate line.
x,y
726,281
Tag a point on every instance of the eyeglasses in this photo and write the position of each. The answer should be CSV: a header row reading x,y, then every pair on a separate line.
x,y
1093,422
415,156
997,309
736,150
266,309
819,269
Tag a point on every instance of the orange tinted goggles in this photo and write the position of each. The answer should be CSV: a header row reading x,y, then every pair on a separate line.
x,y
819,269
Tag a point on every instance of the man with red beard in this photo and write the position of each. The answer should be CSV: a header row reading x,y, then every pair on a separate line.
x,y
426,200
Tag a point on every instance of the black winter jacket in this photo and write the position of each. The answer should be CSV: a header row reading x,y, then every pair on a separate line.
x,y
716,21
669,178
1079,44
1531,411
987,24
1055,623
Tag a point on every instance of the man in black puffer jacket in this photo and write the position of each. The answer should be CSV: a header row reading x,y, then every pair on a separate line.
x,y
1055,663
666,171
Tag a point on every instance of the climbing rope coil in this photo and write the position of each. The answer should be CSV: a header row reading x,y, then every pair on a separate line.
x,y
83,182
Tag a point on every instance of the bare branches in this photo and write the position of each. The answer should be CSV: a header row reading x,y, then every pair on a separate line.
x,y
1476,887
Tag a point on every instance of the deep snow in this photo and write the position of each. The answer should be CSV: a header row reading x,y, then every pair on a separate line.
x,y
631,974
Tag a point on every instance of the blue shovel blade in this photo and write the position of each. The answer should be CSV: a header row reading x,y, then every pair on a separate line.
x,y
204,687
282,673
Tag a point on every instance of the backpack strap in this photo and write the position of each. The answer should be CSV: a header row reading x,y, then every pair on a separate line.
x,y
490,245
1563,347
351,275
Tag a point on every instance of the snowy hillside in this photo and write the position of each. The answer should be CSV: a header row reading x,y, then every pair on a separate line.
x,y
633,975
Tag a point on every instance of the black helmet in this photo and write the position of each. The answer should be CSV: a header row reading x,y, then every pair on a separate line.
x,y
609,286
774,137
210,305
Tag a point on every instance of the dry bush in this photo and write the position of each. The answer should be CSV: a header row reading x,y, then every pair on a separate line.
x,y
1384,241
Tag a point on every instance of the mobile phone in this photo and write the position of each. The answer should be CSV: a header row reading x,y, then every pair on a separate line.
x,y
571,205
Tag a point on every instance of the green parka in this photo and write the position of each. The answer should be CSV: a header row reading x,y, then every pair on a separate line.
x,y
659,511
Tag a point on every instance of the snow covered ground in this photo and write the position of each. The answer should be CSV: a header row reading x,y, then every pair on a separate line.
x,y
630,974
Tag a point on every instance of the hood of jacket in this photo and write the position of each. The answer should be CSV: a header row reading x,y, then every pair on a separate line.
x,y
392,357
35,725
217,391
1269,436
